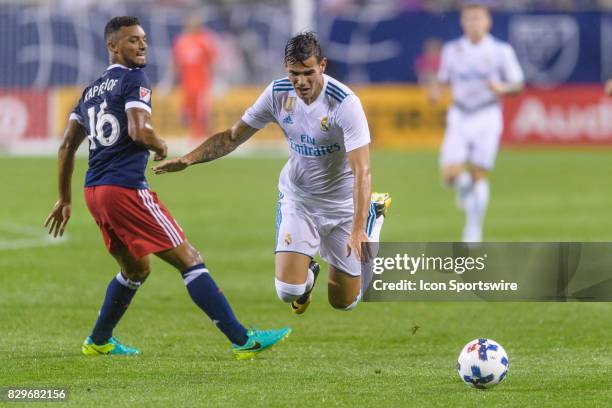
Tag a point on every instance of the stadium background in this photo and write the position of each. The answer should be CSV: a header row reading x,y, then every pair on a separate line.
x,y
50,52
551,183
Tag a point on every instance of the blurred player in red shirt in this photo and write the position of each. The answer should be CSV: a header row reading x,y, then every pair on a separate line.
x,y
427,64
194,53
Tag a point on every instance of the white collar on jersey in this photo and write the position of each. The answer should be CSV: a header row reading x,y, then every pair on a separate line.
x,y
116,66
485,40
319,98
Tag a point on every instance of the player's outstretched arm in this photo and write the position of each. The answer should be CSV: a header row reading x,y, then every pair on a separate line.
x,y
608,88
506,88
218,145
359,160
141,131
59,216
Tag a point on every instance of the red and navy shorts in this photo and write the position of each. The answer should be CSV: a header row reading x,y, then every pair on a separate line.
x,y
133,218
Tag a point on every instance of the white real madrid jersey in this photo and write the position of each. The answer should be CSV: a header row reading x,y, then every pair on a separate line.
x,y
319,136
468,67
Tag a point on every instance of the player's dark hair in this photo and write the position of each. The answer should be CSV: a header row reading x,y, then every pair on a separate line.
x,y
115,24
301,47
475,6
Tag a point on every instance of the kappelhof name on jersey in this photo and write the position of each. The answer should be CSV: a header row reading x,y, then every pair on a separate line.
x,y
98,90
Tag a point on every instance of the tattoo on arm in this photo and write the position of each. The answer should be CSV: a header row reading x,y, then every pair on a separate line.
x,y
221,143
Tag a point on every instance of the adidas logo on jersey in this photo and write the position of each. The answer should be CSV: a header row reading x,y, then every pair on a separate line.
x,y
288,120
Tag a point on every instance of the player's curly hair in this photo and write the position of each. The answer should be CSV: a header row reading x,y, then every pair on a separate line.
x,y
301,47
115,24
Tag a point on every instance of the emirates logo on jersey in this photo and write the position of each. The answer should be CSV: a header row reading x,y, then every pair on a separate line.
x,y
145,94
324,123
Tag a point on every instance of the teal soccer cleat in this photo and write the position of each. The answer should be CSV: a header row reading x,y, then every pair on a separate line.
x,y
258,341
112,347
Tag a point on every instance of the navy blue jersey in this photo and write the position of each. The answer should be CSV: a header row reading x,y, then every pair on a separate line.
x,y
114,158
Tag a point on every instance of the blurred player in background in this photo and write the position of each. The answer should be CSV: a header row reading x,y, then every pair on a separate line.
x,y
114,113
608,88
427,64
194,55
479,69
325,195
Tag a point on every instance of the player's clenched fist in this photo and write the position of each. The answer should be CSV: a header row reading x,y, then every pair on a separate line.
x,y
162,153
169,166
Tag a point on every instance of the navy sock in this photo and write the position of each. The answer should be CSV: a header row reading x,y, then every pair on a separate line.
x,y
119,294
206,294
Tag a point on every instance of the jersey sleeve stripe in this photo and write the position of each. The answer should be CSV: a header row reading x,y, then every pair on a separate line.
x,y
338,94
139,105
282,81
334,95
337,89
74,116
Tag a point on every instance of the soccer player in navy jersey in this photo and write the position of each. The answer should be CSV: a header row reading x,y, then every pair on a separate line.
x,y
114,113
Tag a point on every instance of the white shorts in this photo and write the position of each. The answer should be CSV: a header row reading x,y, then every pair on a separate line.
x,y
306,230
472,137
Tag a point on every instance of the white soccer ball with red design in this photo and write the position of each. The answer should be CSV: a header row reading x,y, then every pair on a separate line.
x,y
482,363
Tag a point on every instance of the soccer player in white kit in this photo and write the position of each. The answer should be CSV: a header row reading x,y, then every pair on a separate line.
x,y
325,190
479,69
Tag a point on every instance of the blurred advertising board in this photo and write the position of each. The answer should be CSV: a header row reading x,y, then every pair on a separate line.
x,y
400,116
23,115
569,115
167,115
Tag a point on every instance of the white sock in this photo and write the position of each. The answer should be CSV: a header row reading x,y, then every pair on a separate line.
x,y
309,281
376,229
476,202
463,185
288,292
463,180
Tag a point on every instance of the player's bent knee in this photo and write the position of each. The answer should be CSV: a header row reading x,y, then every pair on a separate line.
x,y
479,174
449,179
343,304
191,256
137,275
288,292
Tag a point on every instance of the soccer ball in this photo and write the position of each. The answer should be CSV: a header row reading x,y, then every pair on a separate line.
x,y
482,363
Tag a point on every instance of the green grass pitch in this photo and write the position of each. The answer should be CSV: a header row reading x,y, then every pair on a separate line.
x,y
50,294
